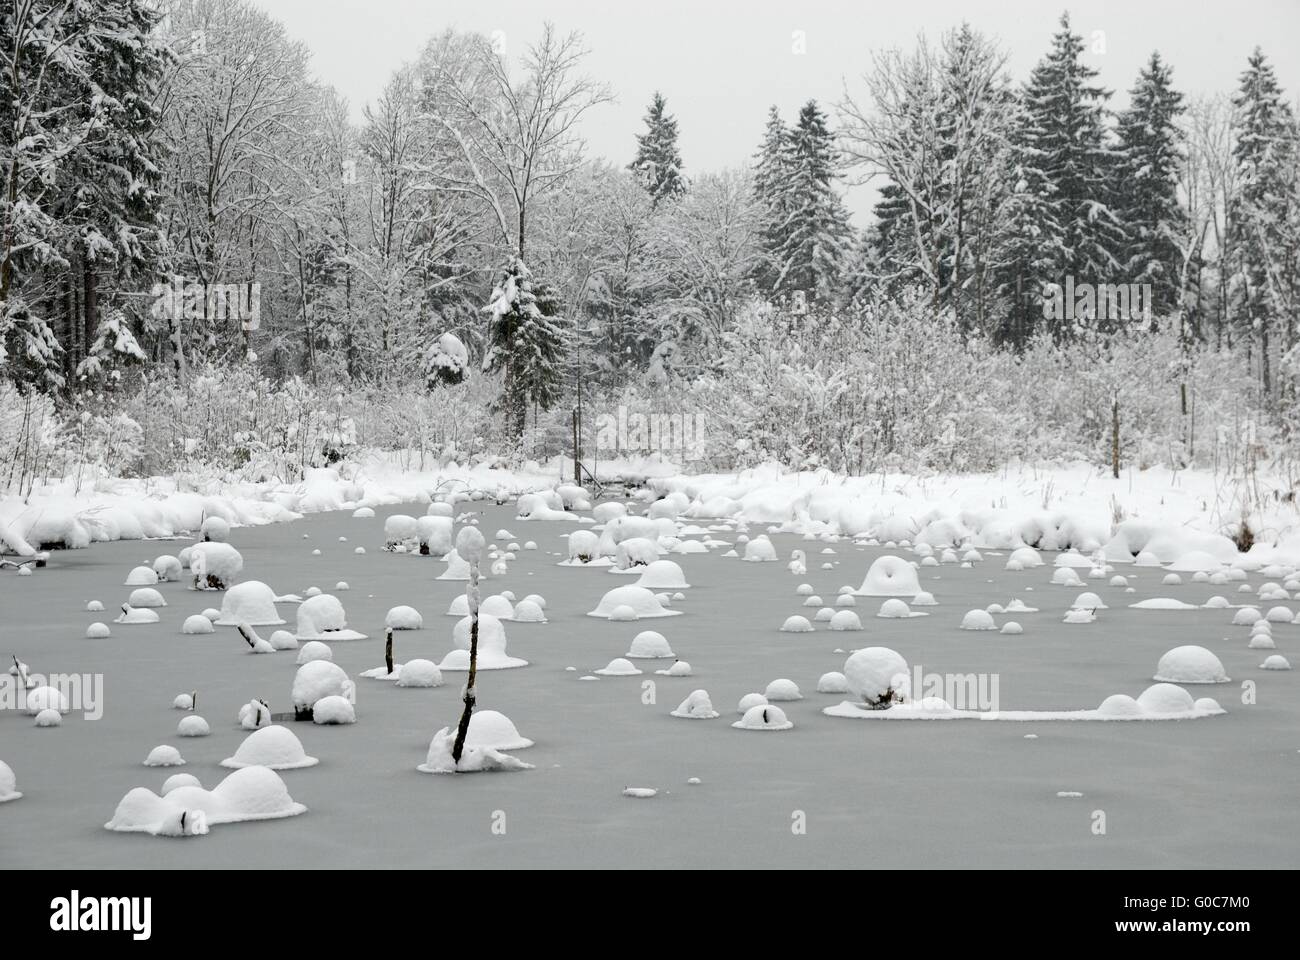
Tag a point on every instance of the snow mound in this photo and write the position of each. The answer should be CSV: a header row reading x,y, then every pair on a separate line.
x,y
322,618
1190,664
663,575
643,603
618,667
1165,698
876,675
193,726
779,691
49,718
314,650
403,618
318,679
196,624
1275,662
141,577
146,597
980,619
8,784
492,730
528,611
419,673
845,620
251,602
890,576
832,682
214,565
253,793
274,747
136,616
98,631
472,759
896,609
796,624
45,698
697,706
1162,603
759,550
333,711
763,717
649,645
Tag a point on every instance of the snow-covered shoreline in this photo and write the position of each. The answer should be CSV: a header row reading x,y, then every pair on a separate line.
x,y
1053,507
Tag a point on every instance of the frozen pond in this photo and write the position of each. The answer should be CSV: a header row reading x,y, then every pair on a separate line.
x,y
1217,792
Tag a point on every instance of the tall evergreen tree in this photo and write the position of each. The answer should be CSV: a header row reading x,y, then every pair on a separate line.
x,y
1150,158
814,237
658,162
771,172
1262,215
526,341
1067,171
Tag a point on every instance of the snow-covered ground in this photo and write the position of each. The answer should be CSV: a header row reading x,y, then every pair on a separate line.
x,y
1049,505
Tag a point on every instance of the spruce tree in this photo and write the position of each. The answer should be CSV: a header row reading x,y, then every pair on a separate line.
x,y
658,161
771,173
526,339
1262,215
1150,157
1067,172
814,238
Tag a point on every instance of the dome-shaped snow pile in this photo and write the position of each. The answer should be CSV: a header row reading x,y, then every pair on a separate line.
x,y
214,565
216,529
890,576
584,547
136,615
1024,558
146,597
98,631
472,760
1261,641
1079,616
1279,614
649,645
847,620
796,624
434,535
642,602
253,793
697,706
1197,561
322,618
331,711
491,646
759,550
1066,577
1190,664
1275,662
877,676
398,529
1162,603
363,513
1073,559
168,568
403,618
896,609
141,577
164,756
317,680
680,668
780,691
45,698
8,784
274,747
1245,616
1165,698
197,623
497,606
832,682
924,599
618,667
1145,558
1088,601
251,602
663,575
314,650
529,611
419,673
981,619
494,730
254,714
763,717
634,555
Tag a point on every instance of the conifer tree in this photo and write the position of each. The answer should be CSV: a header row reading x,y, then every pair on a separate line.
x,y
658,161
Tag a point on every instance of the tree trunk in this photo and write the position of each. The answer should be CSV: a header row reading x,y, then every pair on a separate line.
x,y
1114,438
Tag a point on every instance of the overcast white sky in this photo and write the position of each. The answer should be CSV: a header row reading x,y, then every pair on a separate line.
x,y
722,63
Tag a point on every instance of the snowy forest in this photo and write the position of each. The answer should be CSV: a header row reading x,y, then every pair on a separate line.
x,y
208,264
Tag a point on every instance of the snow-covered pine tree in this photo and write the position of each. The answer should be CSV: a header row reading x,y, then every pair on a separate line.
x,y
771,172
814,238
658,162
1149,162
1261,219
1067,172
526,342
